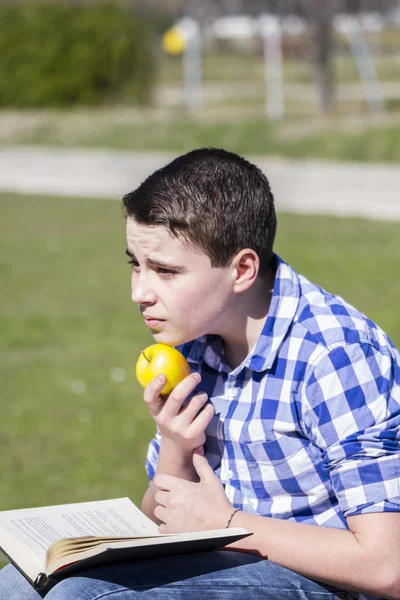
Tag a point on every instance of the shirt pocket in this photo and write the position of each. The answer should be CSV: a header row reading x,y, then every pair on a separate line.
x,y
283,476
275,452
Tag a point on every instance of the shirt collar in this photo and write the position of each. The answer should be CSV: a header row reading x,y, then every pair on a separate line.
x,y
282,311
284,302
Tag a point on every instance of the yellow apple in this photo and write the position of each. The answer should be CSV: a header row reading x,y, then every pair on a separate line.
x,y
161,358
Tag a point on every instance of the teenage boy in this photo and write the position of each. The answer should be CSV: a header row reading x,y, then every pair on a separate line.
x,y
289,423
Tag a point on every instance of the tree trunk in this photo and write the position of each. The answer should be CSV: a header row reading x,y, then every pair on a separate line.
x,y
321,14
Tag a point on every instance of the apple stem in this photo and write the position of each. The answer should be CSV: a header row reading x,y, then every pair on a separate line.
x,y
144,355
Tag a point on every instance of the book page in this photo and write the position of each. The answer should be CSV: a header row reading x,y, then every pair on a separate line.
x,y
38,528
145,548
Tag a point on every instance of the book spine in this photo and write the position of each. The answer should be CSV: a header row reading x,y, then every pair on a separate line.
x,y
41,581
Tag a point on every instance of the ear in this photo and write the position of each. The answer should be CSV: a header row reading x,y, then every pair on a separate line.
x,y
245,265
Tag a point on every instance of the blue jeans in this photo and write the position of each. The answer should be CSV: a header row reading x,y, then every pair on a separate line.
x,y
220,574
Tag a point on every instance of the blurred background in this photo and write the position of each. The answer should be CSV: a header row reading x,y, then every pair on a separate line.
x,y
93,97
261,75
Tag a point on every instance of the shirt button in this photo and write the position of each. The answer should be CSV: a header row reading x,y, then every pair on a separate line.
x,y
229,474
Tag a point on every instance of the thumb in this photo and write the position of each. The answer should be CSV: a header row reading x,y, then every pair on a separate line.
x,y
203,469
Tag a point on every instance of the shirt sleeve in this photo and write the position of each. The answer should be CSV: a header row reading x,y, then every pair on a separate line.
x,y
152,455
154,445
351,411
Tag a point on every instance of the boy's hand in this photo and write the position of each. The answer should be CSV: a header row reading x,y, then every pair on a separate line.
x,y
187,506
181,426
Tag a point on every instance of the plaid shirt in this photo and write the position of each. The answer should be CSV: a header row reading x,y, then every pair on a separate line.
x,y
307,427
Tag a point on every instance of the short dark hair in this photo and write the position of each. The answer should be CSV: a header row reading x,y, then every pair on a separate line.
x,y
215,200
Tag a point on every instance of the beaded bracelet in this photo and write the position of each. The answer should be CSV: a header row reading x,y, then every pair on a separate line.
x,y
231,517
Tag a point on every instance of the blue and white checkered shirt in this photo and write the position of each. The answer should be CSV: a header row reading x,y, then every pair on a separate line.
x,y
307,428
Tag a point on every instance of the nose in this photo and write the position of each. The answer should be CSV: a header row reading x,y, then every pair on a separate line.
x,y
141,290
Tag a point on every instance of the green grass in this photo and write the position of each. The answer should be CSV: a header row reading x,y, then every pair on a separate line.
x,y
255,136
68,330
72,433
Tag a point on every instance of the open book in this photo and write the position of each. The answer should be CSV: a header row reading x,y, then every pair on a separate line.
x,y
53,542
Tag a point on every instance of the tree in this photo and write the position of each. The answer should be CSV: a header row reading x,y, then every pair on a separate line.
x,y
320,14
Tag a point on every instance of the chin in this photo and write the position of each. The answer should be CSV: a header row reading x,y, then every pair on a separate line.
x,y
172,339
163,338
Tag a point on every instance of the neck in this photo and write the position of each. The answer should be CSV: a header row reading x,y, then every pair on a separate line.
x,y
246,323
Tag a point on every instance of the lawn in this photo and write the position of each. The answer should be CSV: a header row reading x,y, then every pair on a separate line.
x,y
375,141
74,426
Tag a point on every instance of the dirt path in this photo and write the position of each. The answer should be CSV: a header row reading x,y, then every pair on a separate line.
x,y
344,189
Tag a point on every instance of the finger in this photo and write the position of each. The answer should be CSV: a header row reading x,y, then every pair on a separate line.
x,y
163,528
166,482
203,469
152,393
161,497
178,395
200,423
160,512
192,408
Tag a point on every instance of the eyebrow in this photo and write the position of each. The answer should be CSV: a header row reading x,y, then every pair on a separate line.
x,y
152,262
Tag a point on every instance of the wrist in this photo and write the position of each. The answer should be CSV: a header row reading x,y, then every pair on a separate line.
x,y
231,516
175,451
174,460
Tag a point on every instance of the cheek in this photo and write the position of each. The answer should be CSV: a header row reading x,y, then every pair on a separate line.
x,y
197,302
184,304
183,299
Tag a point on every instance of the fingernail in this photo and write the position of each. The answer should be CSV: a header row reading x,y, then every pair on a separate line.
x,y
197,376
161,378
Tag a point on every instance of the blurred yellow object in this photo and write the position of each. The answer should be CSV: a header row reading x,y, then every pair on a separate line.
x,y
173,41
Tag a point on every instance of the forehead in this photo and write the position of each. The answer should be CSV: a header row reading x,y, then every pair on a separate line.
x,y
156,241
148,236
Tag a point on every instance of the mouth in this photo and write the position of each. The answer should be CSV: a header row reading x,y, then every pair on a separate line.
x,y
150,322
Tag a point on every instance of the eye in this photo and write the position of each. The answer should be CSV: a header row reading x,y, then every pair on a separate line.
x,y
165,273
134,264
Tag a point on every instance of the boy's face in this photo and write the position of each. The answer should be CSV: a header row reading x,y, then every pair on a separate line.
x,y
179,294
